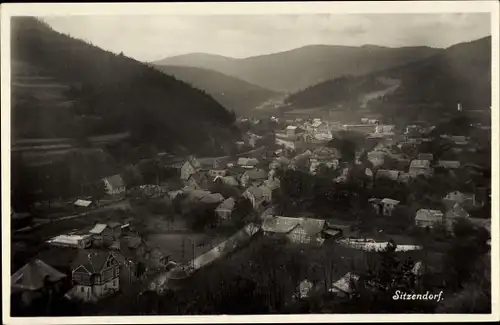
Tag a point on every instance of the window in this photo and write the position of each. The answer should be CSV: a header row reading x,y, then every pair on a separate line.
x,y
82,289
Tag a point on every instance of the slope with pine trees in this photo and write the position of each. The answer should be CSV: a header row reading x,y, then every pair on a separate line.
x,y
233,93
65,87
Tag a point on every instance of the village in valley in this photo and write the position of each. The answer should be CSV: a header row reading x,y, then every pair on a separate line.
x,y
153,236
318,180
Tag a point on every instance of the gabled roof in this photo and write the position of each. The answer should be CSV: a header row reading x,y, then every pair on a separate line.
x,y
227,204
430,215
418,163
344,284
32,276
286,224
256,192
390,201
92,260
256,174
228,180
98,228
115,181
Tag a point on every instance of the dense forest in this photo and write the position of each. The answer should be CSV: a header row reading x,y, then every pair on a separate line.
x,y
461,73
65,87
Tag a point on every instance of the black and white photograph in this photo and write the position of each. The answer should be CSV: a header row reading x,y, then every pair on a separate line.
x,y
249,160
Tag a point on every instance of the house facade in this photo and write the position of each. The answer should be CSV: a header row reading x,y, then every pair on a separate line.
x,y
225,209
388,206
420,167
95,275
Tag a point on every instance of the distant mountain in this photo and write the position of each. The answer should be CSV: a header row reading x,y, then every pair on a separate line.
x,y
64,87
235,94
461,73
294,70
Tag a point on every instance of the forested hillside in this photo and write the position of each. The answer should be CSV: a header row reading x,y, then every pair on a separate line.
x,y
234,94
65,87
461,73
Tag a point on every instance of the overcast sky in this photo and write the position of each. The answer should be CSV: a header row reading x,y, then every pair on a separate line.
x,y
148,38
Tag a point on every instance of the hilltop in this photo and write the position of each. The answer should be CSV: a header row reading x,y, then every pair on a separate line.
x,y
65,87
461,73
294,70
233,93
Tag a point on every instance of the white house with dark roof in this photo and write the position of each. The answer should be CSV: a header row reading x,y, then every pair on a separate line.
x,y
95,274
114,185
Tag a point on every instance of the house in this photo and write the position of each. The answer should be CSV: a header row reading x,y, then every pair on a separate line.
x,y
225,209
288,144
304,288
426,218
33,277
385,129
114,185
425,156
191,166
255,195
199,180
297,230
95,275
102,235
76,241
247,162
83,203
451,215
420,167
315,164
226,180
451,198
404,177
449,164
253,176
376,204
326,153
217,172
387,174
291,130
376,158
388,206
301,159
267,193
346,285
279,162
363,128
459,140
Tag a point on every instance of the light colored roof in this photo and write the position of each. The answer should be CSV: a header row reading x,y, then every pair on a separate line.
x,y
98,228
420,163
67,239
291,127
247,161
228,204
427,214
116,181
32,276
389,201
286,224
82,203
315,124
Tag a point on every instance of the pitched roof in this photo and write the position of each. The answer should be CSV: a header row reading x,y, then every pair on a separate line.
x,y
247,161
227,204
449,164
256,192
256,174
92,260
389,201
228,180
427,214
200,177
116,181
419,163
286,224
386,173
98,228
344,284
32,275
